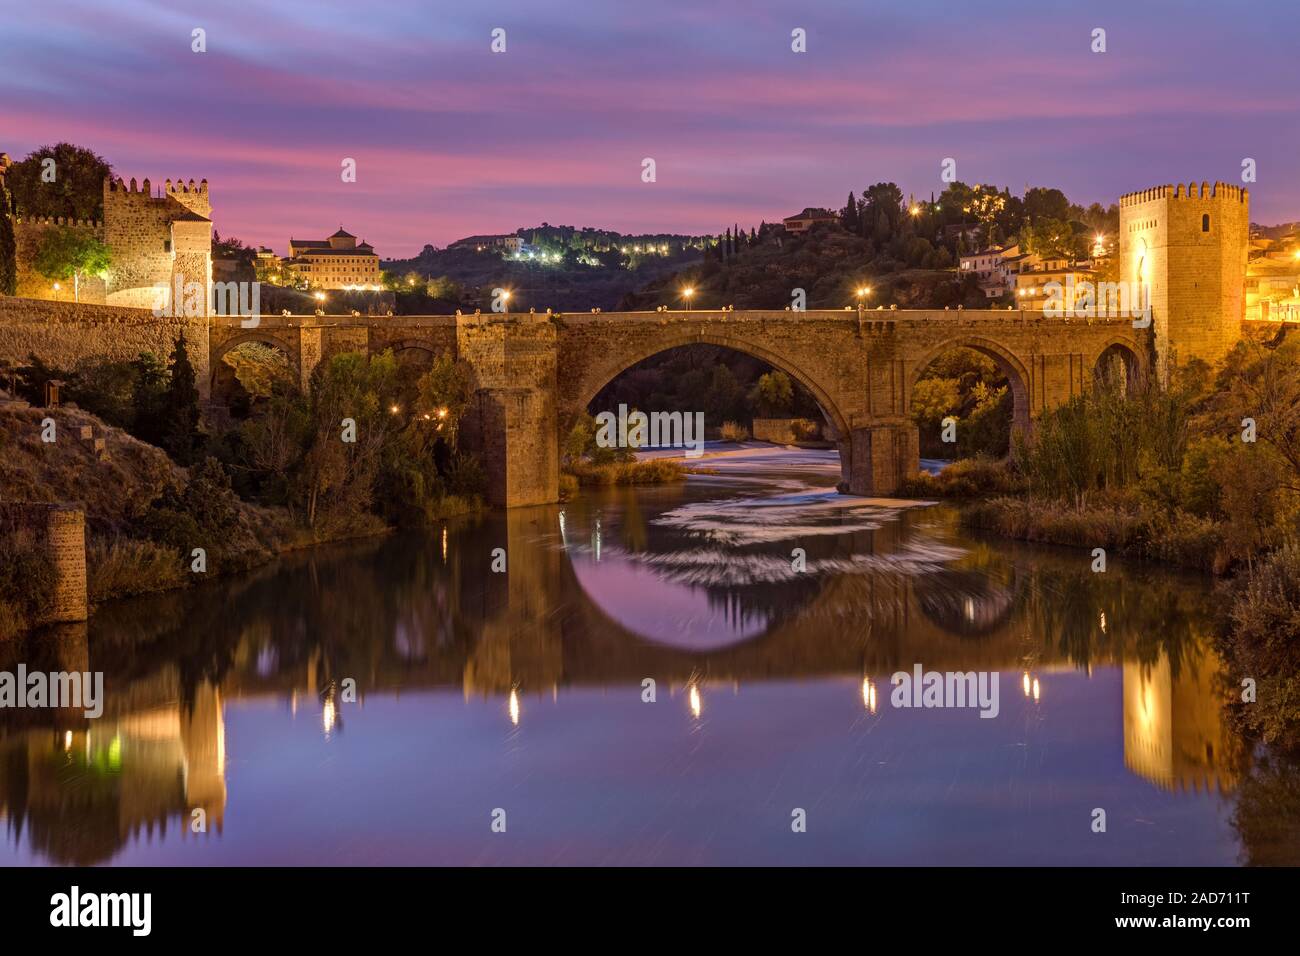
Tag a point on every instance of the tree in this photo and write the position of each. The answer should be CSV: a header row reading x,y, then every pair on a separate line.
x,y
76,190
1040,203
849,215
8,246
180,426
70,254
773,394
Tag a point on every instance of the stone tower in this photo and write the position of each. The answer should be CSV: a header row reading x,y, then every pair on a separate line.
x,y
1187,246
157,240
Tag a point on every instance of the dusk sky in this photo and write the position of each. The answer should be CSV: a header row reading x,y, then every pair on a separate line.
x,y
451,139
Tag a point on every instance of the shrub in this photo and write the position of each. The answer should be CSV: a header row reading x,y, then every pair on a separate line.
x,y
26,581
734,431
1263,642
965,478
118,567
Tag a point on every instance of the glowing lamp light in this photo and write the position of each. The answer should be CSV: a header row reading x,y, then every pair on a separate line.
x,y
56,287
394,409
864,291
320,296
915,210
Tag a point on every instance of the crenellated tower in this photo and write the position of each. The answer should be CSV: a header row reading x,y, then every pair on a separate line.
x,y
157,239
1187,247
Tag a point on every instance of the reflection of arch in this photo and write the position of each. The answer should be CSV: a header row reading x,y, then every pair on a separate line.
x,y
966,603
1006,361
595,380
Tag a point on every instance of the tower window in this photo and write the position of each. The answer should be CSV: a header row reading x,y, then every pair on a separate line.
x,y
1205,223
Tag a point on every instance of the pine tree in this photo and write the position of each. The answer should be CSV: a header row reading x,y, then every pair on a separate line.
x,y
849,215
181,415
8,246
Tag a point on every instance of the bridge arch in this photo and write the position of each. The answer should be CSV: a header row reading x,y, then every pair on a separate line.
x,y
220,374
605,372
1122,353
1008,363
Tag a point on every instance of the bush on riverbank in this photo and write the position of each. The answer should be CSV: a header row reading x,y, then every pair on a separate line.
x,y
652,471
26,581
966,478
586,461
1262,642
1128,529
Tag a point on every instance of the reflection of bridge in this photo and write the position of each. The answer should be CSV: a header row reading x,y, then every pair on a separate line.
x,y
425,618
535,373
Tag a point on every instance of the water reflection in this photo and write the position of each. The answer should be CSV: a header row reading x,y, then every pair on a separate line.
x,y
411,618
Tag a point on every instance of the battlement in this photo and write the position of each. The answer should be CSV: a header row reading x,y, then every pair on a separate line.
x,y
121,190
57,221
1220,191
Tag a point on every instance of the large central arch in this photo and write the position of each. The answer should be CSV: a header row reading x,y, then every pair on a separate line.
x,y
600,374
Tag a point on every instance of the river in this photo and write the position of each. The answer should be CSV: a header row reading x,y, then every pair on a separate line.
x,y
688,674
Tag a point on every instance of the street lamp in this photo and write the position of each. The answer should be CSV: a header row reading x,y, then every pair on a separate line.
x,y
863,292
686,294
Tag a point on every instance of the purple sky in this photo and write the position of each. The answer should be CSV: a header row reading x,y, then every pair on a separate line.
x,y
451,139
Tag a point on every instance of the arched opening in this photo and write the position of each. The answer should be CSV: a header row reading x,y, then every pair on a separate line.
x,y
968,398
248,373
738,392
1117,368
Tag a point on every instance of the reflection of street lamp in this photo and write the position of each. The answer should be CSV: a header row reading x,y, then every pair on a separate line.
x,y
686,294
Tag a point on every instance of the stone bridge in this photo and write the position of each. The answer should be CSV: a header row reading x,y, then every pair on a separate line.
x,y
535,373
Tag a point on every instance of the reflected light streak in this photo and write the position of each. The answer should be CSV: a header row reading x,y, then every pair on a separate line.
x,y
329,716
869,694
693,699
514,707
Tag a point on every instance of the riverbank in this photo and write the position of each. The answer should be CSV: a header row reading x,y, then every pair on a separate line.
x,y
151,525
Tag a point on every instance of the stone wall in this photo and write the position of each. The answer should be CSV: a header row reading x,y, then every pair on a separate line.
x,y
61,529
63,334
29,234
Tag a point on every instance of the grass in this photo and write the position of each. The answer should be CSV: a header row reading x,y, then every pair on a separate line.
x,y
26,581
1131,529
119,567
651,471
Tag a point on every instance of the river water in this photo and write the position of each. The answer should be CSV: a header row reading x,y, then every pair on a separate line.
x,y
503,718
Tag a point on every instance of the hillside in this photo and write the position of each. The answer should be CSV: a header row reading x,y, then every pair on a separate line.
x,y
144,513
829,263
566,283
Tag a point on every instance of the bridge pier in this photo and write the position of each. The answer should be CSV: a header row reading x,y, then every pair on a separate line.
x,y
875,458
512,423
